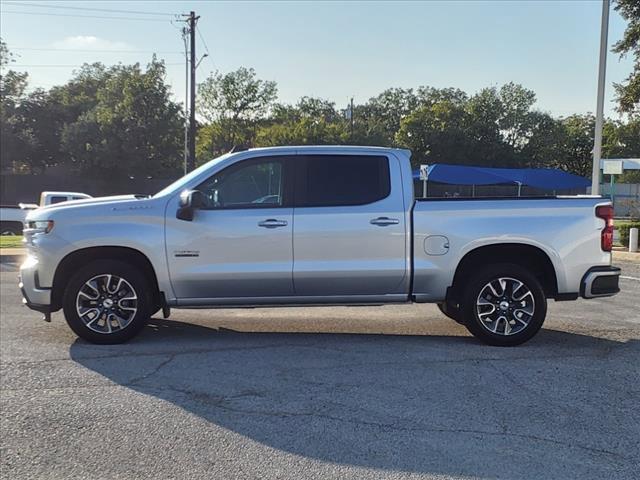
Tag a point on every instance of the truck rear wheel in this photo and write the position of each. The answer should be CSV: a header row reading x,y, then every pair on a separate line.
x,y
504,305
107,302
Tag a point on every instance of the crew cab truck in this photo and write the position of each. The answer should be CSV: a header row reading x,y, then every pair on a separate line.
x,y
314,226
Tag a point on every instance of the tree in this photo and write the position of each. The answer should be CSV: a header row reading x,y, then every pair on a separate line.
x,y
134,129
235,95
234,101
570,145
437,133
493,127
628,93
16,139
377,121
310,121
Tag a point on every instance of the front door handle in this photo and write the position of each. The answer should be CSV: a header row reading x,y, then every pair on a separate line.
x,y
384,221
272,223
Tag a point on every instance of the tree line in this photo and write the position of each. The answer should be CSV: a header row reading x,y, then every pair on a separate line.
x,y
123,121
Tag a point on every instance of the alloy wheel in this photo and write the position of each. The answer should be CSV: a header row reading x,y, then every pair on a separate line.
x,y
505,306
106,303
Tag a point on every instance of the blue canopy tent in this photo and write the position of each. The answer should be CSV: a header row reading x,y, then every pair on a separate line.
x,y
542,178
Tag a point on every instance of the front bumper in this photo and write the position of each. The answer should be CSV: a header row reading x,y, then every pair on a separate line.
x,y
600,282
35,297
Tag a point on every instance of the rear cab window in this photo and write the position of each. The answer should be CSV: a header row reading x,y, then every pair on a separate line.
x,y
341,180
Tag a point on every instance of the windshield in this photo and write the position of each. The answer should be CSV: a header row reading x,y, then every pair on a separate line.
x,y
177,185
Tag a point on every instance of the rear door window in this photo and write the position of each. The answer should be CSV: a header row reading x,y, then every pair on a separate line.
x,y
341,180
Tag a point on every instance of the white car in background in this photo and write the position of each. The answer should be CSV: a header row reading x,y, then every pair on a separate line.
x,y
12,216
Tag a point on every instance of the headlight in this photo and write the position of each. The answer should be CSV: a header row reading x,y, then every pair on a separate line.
x,y
40,226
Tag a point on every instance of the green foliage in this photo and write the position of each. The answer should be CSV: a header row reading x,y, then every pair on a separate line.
x,y
628,93
235,95
116,122
121,121
575,143
133,129
623,229
232,103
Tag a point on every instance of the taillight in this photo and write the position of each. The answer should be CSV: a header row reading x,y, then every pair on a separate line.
x,y
605,212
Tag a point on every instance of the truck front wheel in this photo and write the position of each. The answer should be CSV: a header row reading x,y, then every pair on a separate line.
x,y
504,305
107,302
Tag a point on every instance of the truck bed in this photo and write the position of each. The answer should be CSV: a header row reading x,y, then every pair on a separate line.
x,y
446,229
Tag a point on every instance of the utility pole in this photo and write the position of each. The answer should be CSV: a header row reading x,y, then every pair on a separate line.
x,y
185,32
191,164
351,119
597,143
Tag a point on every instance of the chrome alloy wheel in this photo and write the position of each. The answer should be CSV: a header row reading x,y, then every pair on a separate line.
x,y
505,306
106,303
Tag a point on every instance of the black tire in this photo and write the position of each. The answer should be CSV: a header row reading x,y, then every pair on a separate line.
x,y
117,332
451,312
483,329
10,228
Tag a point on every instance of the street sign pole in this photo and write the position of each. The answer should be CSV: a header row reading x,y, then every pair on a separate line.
x,y
612,168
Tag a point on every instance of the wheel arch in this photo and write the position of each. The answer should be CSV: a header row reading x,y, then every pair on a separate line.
x,y
72,261
14,225
533,258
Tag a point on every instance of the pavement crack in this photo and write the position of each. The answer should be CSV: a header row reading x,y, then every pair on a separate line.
x,y
223,403
153,372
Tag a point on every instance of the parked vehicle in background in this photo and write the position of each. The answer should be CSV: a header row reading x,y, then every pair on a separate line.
x,y
12,217
11,220
314,226
51,198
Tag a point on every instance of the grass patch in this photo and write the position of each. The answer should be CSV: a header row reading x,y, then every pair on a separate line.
x,y
10,241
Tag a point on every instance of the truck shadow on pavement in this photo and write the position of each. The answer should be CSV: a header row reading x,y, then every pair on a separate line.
x,y
557,407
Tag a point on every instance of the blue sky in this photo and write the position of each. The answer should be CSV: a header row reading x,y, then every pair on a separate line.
x,y
336,50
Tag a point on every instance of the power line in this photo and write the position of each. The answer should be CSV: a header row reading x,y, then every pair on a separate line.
x,y
206,49
82,16
36,65
89,9
95,50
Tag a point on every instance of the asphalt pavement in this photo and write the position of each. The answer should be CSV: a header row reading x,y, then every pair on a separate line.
x,y
360,392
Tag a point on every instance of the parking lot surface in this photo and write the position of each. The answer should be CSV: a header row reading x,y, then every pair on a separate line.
x,y
361,392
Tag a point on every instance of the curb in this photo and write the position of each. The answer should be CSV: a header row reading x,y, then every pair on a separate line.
x,y
11,258
625,256
12,255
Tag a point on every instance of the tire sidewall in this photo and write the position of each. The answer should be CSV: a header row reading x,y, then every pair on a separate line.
x,y
114,267
477,283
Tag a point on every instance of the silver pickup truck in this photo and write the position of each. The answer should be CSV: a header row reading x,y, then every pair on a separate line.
x,y
314,226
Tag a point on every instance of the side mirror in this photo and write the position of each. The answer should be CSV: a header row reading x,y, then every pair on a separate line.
x,y
190,201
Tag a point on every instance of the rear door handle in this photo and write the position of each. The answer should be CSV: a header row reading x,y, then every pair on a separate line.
x,y
384,221
272,223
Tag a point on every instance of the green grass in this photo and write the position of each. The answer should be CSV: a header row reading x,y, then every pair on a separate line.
x,y
10,241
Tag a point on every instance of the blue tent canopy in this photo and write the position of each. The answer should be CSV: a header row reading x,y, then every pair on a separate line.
x,y
544,178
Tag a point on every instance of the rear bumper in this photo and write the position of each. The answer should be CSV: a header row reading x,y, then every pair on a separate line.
x,y
600,282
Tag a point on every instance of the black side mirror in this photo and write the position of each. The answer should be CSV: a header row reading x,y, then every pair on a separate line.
x,y
190,201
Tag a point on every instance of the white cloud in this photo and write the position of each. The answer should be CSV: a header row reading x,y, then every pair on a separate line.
x,y
90,42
